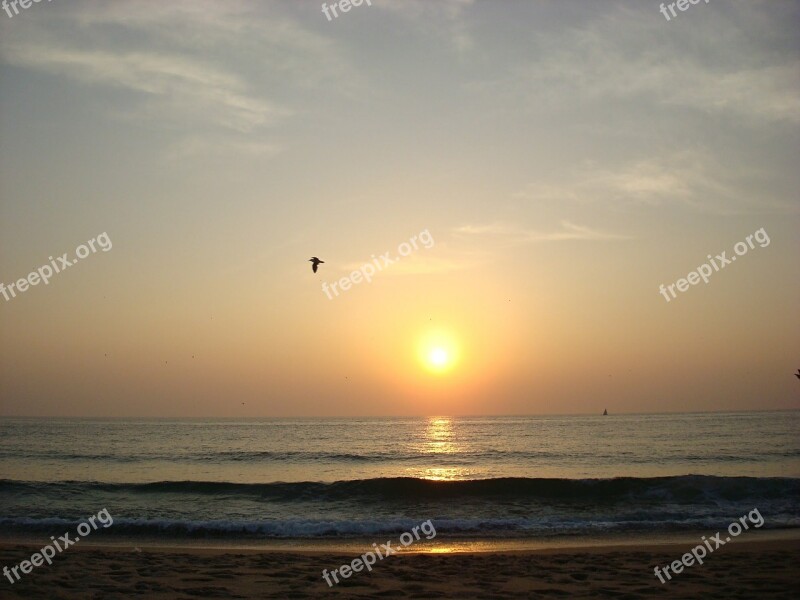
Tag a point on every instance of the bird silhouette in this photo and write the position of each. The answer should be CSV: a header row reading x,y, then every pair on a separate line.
x,y
315,262
797,374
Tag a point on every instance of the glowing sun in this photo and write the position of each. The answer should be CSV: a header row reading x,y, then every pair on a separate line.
x,y
438,353
438,357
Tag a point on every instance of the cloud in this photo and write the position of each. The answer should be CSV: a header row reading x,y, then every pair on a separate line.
x,y
570,232
489,229
424,9
428,265
645,181
220,146
515,235
693,179
172,86
628,53
436,18
189,64
770,92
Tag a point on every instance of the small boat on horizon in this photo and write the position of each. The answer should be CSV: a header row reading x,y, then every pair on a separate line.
x,y
605,412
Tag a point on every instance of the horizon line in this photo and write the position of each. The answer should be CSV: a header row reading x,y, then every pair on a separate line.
x,y
432,416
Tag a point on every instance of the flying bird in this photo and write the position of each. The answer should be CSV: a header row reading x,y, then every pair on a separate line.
x,y
315,262
797,374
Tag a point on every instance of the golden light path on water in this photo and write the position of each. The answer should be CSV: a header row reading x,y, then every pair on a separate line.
x,y
440,440
440,437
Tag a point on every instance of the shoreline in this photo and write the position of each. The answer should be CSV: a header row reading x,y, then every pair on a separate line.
x,y
474,545
745,569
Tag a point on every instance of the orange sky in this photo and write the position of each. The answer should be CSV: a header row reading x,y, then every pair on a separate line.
x,y
566,160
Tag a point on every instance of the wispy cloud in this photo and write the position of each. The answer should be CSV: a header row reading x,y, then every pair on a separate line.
x,y
488,229
730,72
514,235
172,86
220,147
189,64
570,231
420,265
436,18
694,179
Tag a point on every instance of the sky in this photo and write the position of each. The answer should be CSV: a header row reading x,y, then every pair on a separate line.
x,y
543,166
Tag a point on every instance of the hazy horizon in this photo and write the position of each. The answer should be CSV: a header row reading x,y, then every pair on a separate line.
x,y
394,417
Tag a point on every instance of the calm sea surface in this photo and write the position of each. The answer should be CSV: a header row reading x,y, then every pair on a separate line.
x,y
501,477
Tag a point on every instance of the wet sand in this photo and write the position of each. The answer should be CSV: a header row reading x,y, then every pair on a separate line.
x,y
745,569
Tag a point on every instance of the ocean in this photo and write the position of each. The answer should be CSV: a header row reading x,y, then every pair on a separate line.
x,y
476,478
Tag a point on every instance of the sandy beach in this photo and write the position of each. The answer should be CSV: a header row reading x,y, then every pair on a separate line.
x,y
746,569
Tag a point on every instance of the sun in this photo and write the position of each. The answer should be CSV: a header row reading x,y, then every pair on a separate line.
x,y
438,352
438,357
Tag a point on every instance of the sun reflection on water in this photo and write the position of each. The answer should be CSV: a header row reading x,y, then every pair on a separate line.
x,y
445,474
440,436
439,440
